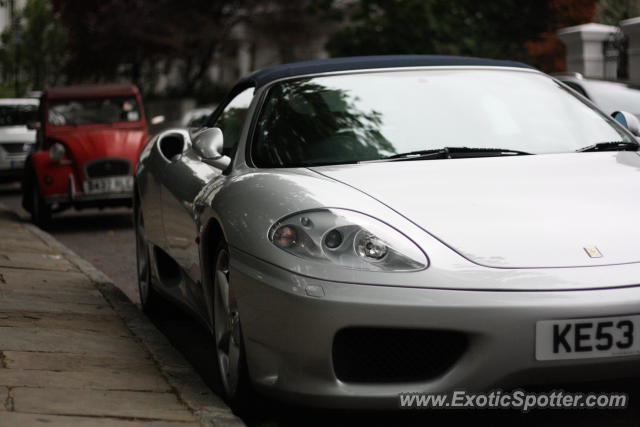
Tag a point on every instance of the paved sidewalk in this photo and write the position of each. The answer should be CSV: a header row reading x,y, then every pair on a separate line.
x,y
75,351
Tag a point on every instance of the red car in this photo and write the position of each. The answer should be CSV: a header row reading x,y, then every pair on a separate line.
x,y
89,138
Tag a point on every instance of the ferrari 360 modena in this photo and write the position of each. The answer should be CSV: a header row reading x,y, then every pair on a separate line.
x,y
351,229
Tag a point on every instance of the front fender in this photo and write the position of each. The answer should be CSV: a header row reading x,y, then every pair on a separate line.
x,y
249,205
52,177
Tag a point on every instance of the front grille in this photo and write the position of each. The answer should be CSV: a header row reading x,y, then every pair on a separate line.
x,y
108,167
16,147
388,355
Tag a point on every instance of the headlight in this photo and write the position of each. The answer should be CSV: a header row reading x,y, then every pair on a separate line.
x,y
57,151
347,238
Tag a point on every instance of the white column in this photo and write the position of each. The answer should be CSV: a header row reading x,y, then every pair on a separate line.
x,y
584,48
244,58
631,28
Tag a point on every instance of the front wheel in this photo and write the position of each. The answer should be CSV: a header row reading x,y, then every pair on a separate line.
x,y
40,210
230,353
150,301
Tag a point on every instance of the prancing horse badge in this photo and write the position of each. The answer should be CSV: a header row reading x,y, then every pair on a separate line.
x,y
593,252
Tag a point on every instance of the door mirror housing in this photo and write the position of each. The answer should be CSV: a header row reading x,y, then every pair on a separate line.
x,y
208,144
628,120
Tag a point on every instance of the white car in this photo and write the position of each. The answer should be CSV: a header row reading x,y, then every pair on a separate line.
x,y
16,139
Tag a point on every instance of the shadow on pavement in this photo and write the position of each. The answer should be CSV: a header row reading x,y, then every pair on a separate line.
x,y
79,222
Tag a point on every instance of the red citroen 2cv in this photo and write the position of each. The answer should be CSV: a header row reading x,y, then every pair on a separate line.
x,y
89,138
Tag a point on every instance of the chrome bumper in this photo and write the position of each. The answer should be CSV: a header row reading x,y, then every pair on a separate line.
x,y
73,196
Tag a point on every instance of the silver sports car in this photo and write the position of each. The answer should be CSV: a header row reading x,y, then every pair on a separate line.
x,y
351,229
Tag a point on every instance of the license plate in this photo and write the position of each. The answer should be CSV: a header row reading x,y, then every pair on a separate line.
x,y
114,184
587,338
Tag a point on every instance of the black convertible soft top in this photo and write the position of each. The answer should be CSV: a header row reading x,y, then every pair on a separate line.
x,y
262,77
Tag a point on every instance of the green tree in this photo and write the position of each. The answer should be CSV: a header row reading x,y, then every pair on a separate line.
x,y
495,29
33,51
142,38
611,12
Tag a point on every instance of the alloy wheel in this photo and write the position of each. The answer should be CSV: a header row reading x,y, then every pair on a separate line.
x,y
226,326
142,256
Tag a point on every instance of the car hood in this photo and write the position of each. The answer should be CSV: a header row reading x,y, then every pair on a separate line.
x,y
17,134
516,212
98,143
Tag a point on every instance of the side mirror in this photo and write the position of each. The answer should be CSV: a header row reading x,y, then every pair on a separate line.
x,y
208,143
628,120
33,125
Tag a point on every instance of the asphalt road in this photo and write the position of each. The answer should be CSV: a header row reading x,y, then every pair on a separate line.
x,y
105,238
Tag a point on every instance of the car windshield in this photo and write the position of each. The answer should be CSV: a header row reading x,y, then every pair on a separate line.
x,y
611,96
18,115
93,110
369,116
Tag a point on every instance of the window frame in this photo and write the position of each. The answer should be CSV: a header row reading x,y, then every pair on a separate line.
x,y
214,118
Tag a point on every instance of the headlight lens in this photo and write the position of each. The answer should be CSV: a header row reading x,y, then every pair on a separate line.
x,y
57,151
347,238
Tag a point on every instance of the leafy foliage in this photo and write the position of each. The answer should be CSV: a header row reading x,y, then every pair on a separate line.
x,y
33,51
147,37
611,12
495,29
547,52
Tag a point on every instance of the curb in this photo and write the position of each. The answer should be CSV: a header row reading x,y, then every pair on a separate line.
x,y
208,407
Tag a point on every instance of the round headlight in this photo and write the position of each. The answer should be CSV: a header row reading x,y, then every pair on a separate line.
x,y
369,246
57,151
285,237
333,239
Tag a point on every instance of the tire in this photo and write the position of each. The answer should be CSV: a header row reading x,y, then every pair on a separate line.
x,y
152,303
227,335
40,210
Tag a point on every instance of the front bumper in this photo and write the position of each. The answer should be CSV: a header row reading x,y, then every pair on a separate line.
x,y
75,197
12,165
289,323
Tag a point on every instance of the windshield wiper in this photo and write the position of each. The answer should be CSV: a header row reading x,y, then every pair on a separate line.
x,y
611,146
446,152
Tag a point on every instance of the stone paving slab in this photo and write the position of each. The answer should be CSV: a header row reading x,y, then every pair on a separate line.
x,y
68,341
44,296
15,240
124,404
67,281
61,362
15,419
4,395
31,261
21,304
93,380
109,324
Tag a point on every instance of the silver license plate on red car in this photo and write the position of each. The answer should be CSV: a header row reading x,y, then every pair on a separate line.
x,y
587,338
113,184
